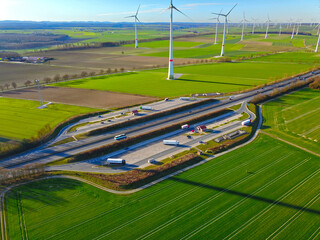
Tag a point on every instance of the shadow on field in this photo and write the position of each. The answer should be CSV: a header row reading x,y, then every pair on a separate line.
x,y
42,192
211,82
245,195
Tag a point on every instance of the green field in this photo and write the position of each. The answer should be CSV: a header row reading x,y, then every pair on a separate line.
x,y
21,119
291,57
266,189
218,77
295,118
162,44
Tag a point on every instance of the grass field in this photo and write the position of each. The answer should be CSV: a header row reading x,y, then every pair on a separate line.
x,y
21,119
219,77
161,44
291,57
266,189
295,118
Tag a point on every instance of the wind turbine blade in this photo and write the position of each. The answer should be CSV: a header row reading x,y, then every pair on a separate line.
x,y
164,10
181,12
138,10
131,16
138,19
232,9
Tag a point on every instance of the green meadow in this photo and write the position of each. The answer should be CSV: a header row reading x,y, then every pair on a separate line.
x,y
263,190
20,119
217,77
295,118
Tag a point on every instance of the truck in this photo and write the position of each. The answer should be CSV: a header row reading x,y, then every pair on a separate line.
x,y
146,108
115,161
186,126
171,142
246,122
185,98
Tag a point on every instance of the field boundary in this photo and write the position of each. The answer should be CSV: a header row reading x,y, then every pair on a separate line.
x,y
3,216
292,144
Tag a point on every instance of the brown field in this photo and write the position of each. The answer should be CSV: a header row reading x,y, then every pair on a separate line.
x,y
75,61
81,97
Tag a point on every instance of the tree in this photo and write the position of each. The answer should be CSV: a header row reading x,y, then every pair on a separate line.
x,y
57,77
47,80
2,87
109,70
14,85
84,74
116,70
65,77
27,83
101,72
122,69
92,74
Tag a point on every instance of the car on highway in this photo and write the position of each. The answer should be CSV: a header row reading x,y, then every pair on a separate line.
x,y
152,161
120,137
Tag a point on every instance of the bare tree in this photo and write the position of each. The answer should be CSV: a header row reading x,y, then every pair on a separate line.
x,y
84,74
47,80
27,83
57,78
92,74
2,87
65,77
14,85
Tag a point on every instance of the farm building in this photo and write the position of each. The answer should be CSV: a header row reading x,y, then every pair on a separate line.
x,y
135,112
202,128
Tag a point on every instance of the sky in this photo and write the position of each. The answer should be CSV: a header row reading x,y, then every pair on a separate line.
x,y
152,10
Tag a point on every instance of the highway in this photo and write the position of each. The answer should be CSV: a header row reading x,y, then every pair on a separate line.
x,y
45,155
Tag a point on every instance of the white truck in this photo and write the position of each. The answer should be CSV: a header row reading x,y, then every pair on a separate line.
x,y
185,98
115,161
186,126
246,123
146,108
171,142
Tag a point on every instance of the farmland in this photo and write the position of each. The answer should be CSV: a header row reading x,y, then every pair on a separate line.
x,y
271,192
295,118
22,119
218,77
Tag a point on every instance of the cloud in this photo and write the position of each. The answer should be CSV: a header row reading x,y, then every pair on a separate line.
x,y
128,13
200,4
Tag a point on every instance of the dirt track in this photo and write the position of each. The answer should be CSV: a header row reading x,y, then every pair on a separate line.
x,y
81,97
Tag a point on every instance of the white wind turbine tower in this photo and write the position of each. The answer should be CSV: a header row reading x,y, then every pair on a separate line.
x,y
317,47
217,25
224,28
298,25
243,25
254,25
280,28
170,70
293,29
268,25
135,26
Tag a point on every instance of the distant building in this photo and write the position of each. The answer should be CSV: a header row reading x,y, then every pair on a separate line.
x,y
202,128
34,59
135,112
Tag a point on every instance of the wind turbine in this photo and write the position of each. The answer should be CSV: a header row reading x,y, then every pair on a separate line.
x,y
217,24
317,47
170,70
280,28
293,29
135,26
298,25
224,27
268,25
254,25
243,24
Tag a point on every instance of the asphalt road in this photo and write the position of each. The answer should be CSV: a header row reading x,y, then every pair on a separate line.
x,y
66,150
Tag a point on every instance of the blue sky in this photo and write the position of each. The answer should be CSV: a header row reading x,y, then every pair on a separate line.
x,y
115,11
